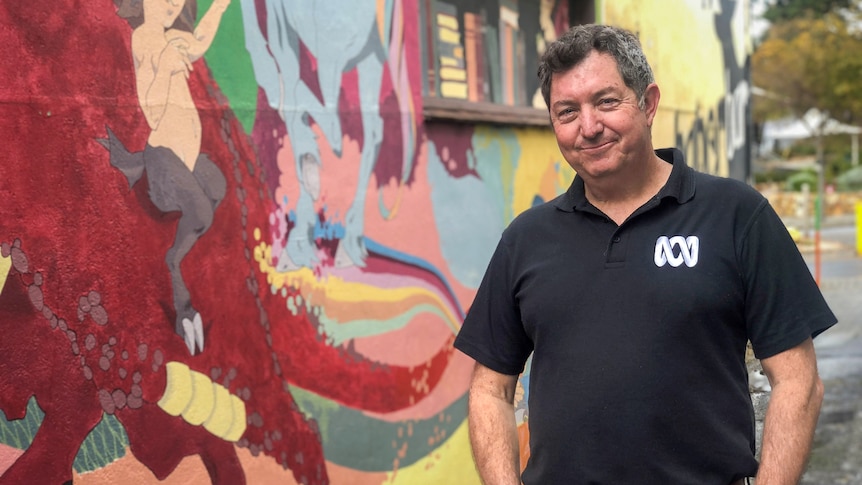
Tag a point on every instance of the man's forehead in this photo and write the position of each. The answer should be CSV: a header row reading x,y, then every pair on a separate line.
x,y
585,79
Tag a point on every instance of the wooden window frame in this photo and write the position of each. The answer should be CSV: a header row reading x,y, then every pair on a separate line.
x,y
437,108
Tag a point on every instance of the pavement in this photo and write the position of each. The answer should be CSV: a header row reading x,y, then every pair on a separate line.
x,y
836,456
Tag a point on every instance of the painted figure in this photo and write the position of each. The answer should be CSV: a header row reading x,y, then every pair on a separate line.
x,y
180,177
342,35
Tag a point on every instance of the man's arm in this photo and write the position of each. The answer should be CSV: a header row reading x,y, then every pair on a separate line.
x,y
791,417
493,433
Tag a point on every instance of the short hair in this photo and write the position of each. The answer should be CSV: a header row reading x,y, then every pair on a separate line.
x,y
578,42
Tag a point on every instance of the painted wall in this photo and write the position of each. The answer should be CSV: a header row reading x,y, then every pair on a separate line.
x,y
232,250
700,51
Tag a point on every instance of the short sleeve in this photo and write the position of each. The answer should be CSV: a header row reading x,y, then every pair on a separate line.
x,y
492,332
783,304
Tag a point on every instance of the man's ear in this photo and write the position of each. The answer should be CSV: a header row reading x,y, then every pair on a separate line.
x,y
651,98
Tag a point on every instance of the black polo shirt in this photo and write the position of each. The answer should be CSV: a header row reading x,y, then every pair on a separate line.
x,y
638,331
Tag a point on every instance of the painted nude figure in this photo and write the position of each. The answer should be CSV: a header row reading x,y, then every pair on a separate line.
x,y
181,178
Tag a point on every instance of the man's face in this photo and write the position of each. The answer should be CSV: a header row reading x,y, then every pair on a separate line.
x,y
599,127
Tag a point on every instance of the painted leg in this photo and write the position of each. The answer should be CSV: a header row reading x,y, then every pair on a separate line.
x,y
195,195
49,458
197,216
352,247
222,464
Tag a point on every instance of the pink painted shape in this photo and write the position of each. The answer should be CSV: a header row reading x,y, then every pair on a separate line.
x,y
8,456
413,229
410,346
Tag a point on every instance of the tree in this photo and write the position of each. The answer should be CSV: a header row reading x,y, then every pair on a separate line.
x,y
809,62
781,10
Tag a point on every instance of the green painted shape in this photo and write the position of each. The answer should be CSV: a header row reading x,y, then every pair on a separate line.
x,y
230,64
19,433
106,443
344,432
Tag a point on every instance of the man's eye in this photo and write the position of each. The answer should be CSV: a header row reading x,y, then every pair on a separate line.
x,y
566,113
608,102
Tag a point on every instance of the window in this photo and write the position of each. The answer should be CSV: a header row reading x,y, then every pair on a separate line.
x,y
481,56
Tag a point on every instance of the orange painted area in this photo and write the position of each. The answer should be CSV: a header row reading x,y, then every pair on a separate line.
x,y
548,185
258,470
524,444
130,470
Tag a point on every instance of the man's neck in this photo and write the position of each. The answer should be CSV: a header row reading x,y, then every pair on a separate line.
x,y
620,195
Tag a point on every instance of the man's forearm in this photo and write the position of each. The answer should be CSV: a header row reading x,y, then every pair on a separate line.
x,y
494,438
788,432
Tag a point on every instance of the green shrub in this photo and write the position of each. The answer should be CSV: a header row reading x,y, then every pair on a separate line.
x,y
850,180
795,182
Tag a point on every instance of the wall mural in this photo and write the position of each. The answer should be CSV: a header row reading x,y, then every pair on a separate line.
x,y
232,250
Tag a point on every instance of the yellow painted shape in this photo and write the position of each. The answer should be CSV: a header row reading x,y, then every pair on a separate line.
x,y
448,36
5,266
539,153
451,462
859,228
239,420
200,407
453,74
446,61
450,89
447,21
221,419
178,389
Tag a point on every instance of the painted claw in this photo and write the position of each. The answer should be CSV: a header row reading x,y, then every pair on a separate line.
x,y
198,325
189,334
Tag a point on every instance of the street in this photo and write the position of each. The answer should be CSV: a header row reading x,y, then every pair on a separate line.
x,y
837,454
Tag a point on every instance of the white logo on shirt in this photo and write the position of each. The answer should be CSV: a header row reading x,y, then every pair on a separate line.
x,y
688,250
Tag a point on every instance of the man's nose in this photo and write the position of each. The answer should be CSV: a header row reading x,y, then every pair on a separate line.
x,y
591,122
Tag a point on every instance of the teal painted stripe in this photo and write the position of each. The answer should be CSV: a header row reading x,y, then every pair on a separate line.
x,y
355,440
20,432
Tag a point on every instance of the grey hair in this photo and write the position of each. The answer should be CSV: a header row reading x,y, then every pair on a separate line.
x,y
578,42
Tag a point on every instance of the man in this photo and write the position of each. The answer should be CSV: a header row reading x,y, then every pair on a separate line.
x,y
637,291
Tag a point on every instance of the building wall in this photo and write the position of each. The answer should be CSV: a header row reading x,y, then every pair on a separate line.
x,y
282,309
700,53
